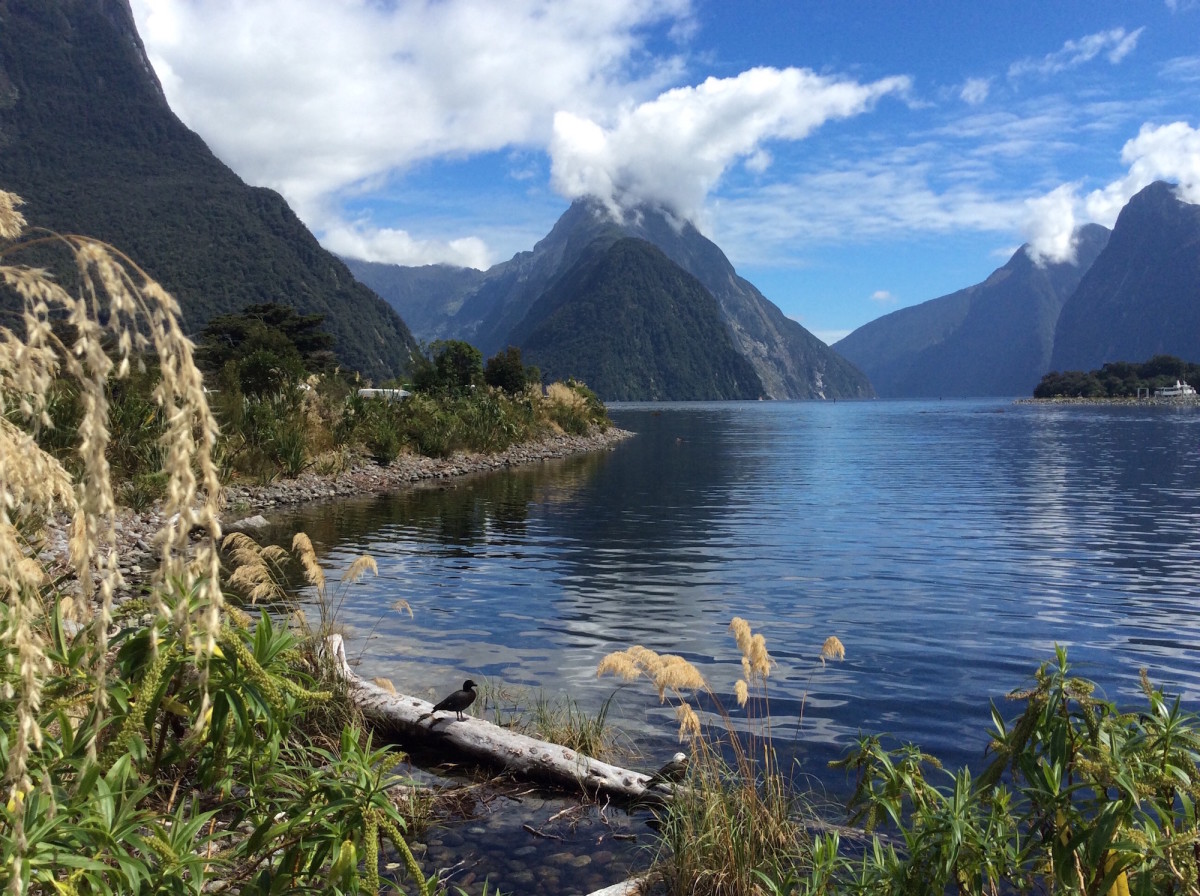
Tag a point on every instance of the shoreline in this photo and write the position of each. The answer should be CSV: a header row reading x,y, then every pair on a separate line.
x,y
1179,401
241,502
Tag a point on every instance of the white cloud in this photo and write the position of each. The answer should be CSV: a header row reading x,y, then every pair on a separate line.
x,y
1115,44
1185,69
674,149
399,247
883,297
1051,225
975,90
1159,152
317,97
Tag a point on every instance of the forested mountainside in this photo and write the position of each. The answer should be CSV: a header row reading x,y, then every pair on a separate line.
x,y
88,140
504,305
1141,297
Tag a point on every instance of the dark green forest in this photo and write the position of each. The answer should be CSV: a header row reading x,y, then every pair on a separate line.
x,y
1118,379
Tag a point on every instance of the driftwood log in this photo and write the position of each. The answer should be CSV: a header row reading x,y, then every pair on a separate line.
x,y
408,719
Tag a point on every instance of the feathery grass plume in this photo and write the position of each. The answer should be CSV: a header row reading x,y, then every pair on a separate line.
x,y
115,303
756,661
832,649
358,569
302,547
256,570
665,671
12,222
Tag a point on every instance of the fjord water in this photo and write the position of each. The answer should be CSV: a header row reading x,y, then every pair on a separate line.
x,y
949,545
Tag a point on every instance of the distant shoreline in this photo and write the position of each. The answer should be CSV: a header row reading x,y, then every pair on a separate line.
x,y
1189,401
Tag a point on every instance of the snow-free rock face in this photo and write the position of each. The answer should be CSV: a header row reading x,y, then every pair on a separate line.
x,y
994,338
1141,297
506,303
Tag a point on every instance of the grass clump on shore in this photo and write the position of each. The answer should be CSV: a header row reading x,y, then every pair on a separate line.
x,y
736,825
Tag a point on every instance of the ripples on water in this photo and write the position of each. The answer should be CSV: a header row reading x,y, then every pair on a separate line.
x,y
950,545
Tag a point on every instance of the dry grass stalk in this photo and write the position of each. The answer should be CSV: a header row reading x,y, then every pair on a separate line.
x,y
115,304
562,394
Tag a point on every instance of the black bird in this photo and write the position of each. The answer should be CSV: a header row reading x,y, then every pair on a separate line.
x,y
671,773
456,702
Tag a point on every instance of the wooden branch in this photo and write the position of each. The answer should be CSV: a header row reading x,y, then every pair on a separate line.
x,y
408,719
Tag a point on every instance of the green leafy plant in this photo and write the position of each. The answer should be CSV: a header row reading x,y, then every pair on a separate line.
x,y
1081,798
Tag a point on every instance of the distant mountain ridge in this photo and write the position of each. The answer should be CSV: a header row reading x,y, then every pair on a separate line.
x,y
88,140
1141,297
1129,295
504,305
994,338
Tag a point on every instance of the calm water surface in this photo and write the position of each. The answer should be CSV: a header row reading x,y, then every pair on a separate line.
x,y
949,545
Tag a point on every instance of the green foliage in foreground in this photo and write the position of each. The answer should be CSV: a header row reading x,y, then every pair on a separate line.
x,y
1080,798
1118,379
150,801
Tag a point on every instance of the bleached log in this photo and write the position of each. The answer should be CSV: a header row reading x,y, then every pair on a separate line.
x,y
408,719
635,886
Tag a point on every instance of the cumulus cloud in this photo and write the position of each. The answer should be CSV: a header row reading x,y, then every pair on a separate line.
x,y
1159,152
1115,44
316,98
1051,225
975,90
388,244
674,149
883,297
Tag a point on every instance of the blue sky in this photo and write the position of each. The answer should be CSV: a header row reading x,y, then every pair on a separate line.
x,y
851,158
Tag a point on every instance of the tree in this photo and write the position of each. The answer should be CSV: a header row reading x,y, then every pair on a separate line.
x,y
505,370
265,346
450,367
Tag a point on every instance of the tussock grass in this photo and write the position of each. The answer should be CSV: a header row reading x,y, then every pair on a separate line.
x,y
736,826
168,758
557,720
118,315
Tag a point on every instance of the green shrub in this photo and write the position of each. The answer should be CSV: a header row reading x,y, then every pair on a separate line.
x,y
1081,798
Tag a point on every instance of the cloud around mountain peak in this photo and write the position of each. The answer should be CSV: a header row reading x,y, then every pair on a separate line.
x,y
1168,152
673,150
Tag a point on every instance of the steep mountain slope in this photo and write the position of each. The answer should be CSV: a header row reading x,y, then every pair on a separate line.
x,y
994,338
87,138
788,360
430,295
1141,298
635,326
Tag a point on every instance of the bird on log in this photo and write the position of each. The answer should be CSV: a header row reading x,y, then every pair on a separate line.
x,y
671,773
456,702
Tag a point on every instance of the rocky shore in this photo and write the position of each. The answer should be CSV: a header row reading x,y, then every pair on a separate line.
x,y
1172,401
242,503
